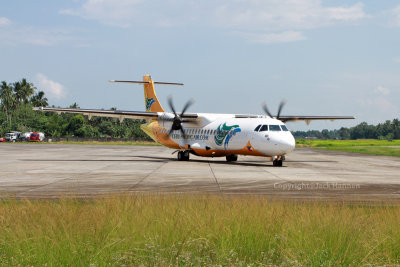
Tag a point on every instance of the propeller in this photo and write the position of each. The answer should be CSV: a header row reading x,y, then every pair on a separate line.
x,y
178,119
264,106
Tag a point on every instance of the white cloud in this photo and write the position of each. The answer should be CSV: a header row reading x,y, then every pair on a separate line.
x,y
4,21
51,88
113,12
396,15
17,34
270,38
260,21
272,15
382,91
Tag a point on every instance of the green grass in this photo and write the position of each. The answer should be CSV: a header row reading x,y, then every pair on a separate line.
x,y
374,147
122,143
194,230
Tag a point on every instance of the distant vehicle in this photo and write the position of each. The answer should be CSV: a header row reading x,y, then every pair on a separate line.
x,y
2,139
25,136
13,136
36,137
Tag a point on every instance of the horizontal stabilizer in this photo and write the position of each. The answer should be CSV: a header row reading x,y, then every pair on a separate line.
x,y
145,82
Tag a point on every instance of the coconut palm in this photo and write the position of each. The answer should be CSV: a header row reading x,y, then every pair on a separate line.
x,y
27,90
17,88
38,100
8,101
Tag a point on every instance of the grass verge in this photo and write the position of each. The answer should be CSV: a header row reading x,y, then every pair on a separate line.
x,y
374,147
122,143
196,230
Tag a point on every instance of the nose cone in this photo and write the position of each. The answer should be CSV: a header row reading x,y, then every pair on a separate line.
x,y
288,143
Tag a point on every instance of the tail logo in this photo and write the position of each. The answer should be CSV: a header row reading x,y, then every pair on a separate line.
x,y
225,132
149,102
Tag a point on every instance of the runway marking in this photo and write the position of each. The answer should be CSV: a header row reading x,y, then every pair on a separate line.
x,y
146,176
215,177
276,176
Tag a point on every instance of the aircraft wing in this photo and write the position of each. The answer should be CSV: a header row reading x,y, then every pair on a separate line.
x,y
121,114
308,119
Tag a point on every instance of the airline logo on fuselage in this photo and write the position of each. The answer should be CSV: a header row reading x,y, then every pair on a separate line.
x,y
225,133
149,102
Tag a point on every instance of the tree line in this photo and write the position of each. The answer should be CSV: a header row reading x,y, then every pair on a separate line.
x,y
388,130
16,114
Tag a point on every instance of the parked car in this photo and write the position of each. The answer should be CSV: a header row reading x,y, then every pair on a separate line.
x,y
2,139
36,137
13,136
25,136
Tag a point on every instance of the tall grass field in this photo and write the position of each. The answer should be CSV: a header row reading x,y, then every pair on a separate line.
x,y
365,146
196,230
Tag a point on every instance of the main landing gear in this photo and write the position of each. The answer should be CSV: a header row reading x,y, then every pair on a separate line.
x,y
231,158
183,155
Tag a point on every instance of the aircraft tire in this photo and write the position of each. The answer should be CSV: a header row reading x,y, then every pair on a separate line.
x,y
180,156
279,163
186,155
231,158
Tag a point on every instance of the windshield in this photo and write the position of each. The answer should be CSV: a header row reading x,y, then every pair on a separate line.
x,y
284,128
274,128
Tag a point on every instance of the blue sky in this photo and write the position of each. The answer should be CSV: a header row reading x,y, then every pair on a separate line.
x,y
323,57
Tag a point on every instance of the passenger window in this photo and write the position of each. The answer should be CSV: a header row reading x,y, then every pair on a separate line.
x,y
264,128
257,128
274,128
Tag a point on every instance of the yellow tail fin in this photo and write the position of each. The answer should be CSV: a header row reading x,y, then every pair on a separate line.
x,y
150,99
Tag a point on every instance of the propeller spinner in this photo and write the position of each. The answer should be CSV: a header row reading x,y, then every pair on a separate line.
x,y
178,119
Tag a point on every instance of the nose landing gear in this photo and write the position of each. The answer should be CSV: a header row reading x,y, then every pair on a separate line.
x,y
278,161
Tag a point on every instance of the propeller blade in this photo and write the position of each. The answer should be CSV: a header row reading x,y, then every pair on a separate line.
x,y
171,105
170,131
183,134
188,104
264,106
283,102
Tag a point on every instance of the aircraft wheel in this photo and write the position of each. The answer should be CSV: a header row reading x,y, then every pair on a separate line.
x,y
231,158
186,155
277,163
180,155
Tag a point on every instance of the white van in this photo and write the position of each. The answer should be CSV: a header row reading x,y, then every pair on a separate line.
x,y
13,136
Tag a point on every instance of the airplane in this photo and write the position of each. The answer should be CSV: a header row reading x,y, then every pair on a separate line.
x,y
208,134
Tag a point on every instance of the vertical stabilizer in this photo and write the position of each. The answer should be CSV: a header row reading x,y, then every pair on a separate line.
x,y
150,98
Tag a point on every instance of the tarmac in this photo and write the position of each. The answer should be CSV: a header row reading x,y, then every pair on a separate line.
x,y
55,170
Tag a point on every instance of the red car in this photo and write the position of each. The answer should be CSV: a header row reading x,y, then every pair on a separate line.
x,y
2,139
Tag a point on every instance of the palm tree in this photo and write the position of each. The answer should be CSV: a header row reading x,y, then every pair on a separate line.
x,y
38,100
8,101
18,92
28,89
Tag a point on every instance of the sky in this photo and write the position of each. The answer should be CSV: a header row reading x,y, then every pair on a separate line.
x,y
323,57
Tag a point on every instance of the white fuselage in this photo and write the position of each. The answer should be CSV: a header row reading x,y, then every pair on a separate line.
x,y
266,135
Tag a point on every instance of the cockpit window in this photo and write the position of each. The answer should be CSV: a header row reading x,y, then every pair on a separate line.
x,y
257,128
284,128
264,128
274,128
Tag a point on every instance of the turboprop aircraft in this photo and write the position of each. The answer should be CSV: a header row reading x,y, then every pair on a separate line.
x,y
208,134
